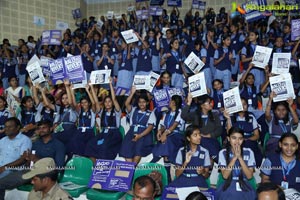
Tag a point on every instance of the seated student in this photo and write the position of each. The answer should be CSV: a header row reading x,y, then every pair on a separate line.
x,y
237,166
284,119
192,161
269,191
283,167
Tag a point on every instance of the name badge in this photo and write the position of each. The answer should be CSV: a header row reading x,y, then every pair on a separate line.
x,y
136,129
177,66
123,65
238,187
145,57
249,101
83,129
219,105
106,130
234,42
96,51
297,179
99,142
201,156
284,185
246,157
113,49
106,67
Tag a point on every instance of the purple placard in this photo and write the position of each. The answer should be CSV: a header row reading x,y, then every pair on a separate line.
x,y
155,11
76,13
170,193
112,175
74,68
121,91
57,71
51,37
177,3
202,5
161,98
295,25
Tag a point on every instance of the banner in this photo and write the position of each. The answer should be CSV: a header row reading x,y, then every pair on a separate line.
x,y
194,63
114,175
177,3
100,77
282,85
197,86
261,56
51,37
74,68
232,100
295,27
57,71
281,63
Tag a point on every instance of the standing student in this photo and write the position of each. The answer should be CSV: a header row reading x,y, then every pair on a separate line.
x,y
173,61
4,115
66,45
144,57
208,122
14,93
138,141
22,63
217,94
192,161
87,60
107,143
154,42
224,58
282,120
247,122
9,66
237,167
106,60
282,167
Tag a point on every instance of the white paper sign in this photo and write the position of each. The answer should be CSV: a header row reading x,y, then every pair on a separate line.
x,y
100,77
153,80
129,36
35,72
110,14
261,56
61,25
197,86
281,63
282,85
194,63
164,31
130,8
232,100
141,82
81,84
33,59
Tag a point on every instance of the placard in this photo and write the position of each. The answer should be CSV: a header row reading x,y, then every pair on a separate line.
x,y
261,56
110,14
45,65
194,63
281,63
161,99
155,11
153,80
197,86
129,36
177,3
114,175
131,8
295,29
57,71
35,73
156,2
291,194
100,77
81,84
141,82
51,37
282,85
121,91
142,14
76,13
74,68
232,100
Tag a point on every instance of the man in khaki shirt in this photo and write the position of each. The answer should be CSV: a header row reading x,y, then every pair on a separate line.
x,y
44,179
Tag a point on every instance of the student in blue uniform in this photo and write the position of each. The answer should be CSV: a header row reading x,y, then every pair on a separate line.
x,y
217,95
66,45
115,46
247,122
107,143
154,42
237,167
22,63
28,116
165,42
85,124
208,122
106,61
4,115
138,141
169,136
282,168
248,89
125,74
8,66
224,59
65,120
192,161
144,57
284,119
173,61
87,60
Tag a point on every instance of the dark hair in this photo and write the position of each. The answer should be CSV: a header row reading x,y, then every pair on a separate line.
x,y
144,181
288,135
247,114
178,102
23,109
202,100
15,120
218,80
53,175
196,196
9,79
45,122
4,99
172,42
198,42
103,114
62,107
284,104
241,181
269,186
143,96
224,37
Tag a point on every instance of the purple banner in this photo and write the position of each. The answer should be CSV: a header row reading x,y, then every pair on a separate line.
x,y
51,37
121,91
295,26
112,175
74,68
57,71
155,11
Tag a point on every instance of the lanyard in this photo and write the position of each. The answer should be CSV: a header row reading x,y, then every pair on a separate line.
x,y
289,167
205,119
139,120
65,113
124,56
219,94
2,113
31,118
283,127
170,118
83,119
175,54
250,92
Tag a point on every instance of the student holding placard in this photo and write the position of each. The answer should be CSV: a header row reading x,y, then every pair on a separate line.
x,y
66,45
154,41
282,167
115,47
247,122
144,57
224,58
217,94
138,141
96,44
22,63
173,61
248,50
192,161
282,120
107,143
106,60
87,60
237,165
208,122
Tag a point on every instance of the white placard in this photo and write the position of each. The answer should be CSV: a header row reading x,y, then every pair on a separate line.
x,y
33,59
182,193
282,85
232,100
194,63
129,36
35,72
197,86
153,80
99,23
141,82
62,25
100,77
110,14
292,194
130,8
261,56
118,16
281,63
81,84
164,31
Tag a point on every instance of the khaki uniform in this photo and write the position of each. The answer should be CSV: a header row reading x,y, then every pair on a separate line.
x,y
55,193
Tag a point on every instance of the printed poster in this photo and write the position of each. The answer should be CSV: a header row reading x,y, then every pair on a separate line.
x,y
100,77
74,68
153,80
51,37
261,56
141,82
45,65
177,3
35,73
295,28
129,36
194,63
57,71
162,99
232,100
282,85
76,13
114,175
197,86
281,63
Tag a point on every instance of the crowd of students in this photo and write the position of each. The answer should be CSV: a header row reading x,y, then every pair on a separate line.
x,y
194,133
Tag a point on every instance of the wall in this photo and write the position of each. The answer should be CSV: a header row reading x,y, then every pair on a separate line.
x,y
16,17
